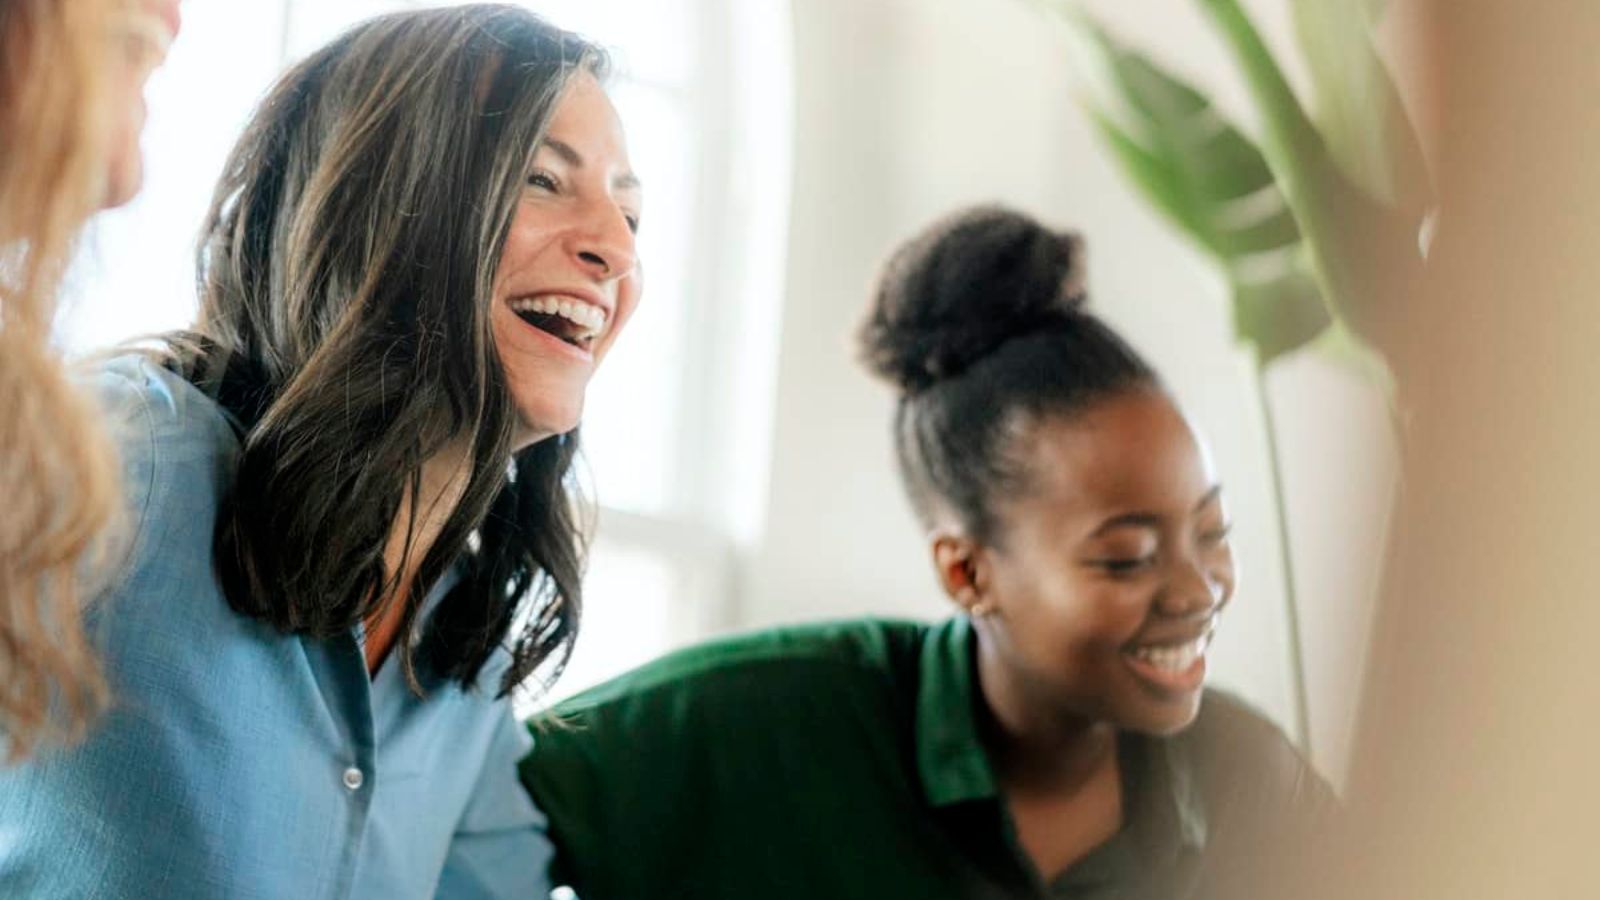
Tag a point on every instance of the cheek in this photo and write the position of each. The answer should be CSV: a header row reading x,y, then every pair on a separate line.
x,y
1222,574
527,241
1074,611
501,322
517,365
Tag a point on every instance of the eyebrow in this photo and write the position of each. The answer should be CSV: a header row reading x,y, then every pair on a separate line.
x,y
1150,520
627,181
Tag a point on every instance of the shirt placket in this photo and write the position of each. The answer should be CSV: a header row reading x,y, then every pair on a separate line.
x,y
353,764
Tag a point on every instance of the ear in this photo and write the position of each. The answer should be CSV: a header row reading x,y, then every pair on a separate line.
x,y
962,569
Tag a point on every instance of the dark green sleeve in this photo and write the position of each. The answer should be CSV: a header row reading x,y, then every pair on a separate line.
x,y
619,787
563,781
714,771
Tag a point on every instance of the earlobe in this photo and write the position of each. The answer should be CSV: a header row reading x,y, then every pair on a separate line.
x,y
957,561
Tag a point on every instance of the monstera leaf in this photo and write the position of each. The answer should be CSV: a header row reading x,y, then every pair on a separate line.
x,y
1209,180
1306,245
1356,106
1366,253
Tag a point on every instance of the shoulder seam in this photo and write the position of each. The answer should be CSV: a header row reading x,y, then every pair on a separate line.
x,y
136,543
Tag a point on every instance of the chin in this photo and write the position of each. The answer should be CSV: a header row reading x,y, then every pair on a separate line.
x,y
540,421
1165,719
122,187
124,175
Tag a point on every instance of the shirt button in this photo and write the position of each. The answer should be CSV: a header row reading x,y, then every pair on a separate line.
x,y
353,779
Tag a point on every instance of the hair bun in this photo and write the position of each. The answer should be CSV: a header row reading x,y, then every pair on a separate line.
x,y
963,287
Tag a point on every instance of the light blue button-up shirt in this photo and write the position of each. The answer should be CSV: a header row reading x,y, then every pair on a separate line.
x,y
239,762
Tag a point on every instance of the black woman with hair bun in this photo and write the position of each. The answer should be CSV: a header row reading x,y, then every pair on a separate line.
x,y
1055,739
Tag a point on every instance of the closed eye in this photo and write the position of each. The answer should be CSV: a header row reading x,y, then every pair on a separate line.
x,y
1216,536
1123,566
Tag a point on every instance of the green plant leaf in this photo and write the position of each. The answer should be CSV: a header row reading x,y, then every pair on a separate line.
x,y
1280,313
1208,179
1357,107
1360,249
1338,345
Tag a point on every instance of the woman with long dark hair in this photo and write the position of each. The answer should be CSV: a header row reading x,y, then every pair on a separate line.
x,y
1053,741
355,527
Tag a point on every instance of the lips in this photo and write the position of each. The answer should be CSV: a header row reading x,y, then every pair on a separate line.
x,y
1171,665
576,320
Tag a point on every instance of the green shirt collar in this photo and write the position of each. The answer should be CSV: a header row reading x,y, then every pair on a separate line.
x,y
950,760
1163,796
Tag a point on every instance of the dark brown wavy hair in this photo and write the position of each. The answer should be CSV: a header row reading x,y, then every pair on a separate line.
x,y
346,271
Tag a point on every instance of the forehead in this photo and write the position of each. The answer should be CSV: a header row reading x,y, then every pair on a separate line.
x,y
1134,452
585,120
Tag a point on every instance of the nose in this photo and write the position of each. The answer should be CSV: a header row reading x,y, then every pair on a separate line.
x,y
1192,591
605,248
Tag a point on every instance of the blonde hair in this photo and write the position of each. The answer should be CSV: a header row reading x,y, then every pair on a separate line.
x,y
58,473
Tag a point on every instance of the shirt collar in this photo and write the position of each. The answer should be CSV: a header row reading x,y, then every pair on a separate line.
x,y
1165,809
950,758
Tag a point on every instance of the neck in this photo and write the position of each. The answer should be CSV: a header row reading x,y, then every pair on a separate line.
x,y
444,480
1033,745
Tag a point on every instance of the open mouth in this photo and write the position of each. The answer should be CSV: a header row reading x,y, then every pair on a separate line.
x,y
1173,667
566,319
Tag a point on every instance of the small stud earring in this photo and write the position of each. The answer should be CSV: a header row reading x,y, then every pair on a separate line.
x,y
981,610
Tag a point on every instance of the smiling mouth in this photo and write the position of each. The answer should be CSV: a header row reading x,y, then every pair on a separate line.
x,y
1172,667
568,320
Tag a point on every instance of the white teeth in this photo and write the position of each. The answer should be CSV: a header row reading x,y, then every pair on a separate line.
x,y
1175,659
586,316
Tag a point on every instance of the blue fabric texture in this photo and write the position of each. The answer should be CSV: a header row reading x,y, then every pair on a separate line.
x,y
239,762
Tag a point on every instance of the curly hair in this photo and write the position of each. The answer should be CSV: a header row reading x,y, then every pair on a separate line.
x,y
980,324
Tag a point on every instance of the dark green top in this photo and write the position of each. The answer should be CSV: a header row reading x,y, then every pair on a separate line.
x,y
843,761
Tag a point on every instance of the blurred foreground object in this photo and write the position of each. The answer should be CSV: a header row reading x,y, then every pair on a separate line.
x,y
1473,776
72,76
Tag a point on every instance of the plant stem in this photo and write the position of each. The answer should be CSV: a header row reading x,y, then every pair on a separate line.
x,y
1291,604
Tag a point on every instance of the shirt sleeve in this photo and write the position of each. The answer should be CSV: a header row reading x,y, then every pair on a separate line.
x,y
1271,813
69,825
560,775
500,849
129,419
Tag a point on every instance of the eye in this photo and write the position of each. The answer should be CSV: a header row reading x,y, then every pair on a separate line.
x,y
1216,537
543,180
1122,567
633,222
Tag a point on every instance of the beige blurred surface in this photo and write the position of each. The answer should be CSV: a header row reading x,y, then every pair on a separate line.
x,y
1475,772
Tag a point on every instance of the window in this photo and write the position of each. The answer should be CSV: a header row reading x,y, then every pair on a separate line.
x,y
702,89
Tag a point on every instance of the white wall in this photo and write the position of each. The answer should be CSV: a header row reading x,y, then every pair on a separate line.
x,y
908,108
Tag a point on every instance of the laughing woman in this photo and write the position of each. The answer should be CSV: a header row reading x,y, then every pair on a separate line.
x,y
353,534
1053,741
